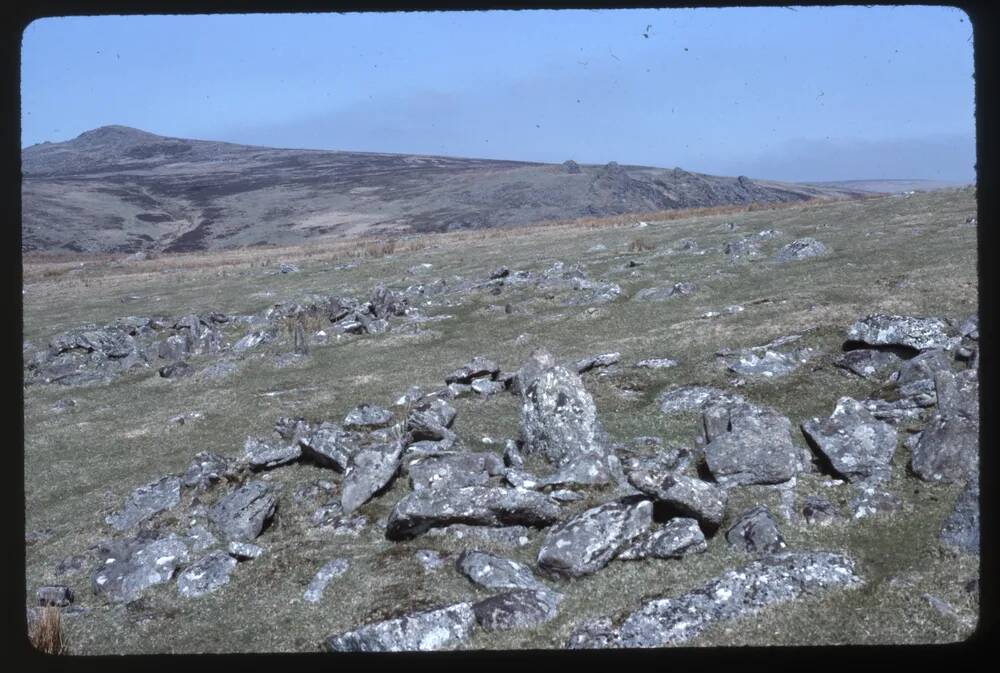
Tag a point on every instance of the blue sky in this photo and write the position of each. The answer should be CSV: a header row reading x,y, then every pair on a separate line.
x,y
827,93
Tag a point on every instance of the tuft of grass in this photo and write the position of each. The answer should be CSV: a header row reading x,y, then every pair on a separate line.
x,y
45,631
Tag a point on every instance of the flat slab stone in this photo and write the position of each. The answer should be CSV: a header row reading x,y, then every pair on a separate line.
x,y
146,502
802,248
241,515
695,398
206,468
129,567
868,363
369,472
586,542
676,538
857,445
367,417
757,449
439,629
262,454
948,448
206,575
496,572
329,570
518,609
756,531
656,363
330,445
454,471
898,330
961,529
420,511
690,496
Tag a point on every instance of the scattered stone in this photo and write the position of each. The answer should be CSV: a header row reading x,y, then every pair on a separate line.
x,y
146,502
558,417
803,248
689,496
219,370
71,565
857,445
939,605
263,454
757,449
961,528
586,542
419,511
740,249
948,448
244,551
664,293
593,634
871,501
969,329
773,580
199,538
695,398
478,367
896,330
656,363
454,471
496,572
431,420
206,575
132,566
438,629
367,417
431,559
241,515
57,596
512,455
287,267
330,570
519,609
206,468
487,387
769,364
65,404
678,537
252,340
370,471
497,536
868,363
756,531
329,445
564,495
327,515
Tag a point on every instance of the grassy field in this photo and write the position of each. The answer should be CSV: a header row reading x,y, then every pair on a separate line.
x,y
897,255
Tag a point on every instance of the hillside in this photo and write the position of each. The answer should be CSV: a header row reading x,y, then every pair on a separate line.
x,y
118,189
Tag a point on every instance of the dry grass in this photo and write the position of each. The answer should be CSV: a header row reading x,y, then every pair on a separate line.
x,y
641,245
45,631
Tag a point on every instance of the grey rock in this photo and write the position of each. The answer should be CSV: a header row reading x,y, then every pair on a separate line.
x,y
327,515
871,500
896,330
176,370
71,565
453,471
768,364
199,538
868,363
419,511
677,538
329,445
65,404
369,472
487,387
519,609
330,570
743,592
244,551
802,248
695,398
252,340
287,267
241,515
37,536
594,361
291,428
205,469
146,502
565,495
664,293
262,453
689,496
656,363
206,575
439,629
857,445
219,370
903,410
961,527
586,542
496,572
431,420
741,249
176,348
367,417
756,531
507,537
969,328
948,448
478,367
57,596
132,566
431,559
593,634
819,511
512,455
558,417
757,449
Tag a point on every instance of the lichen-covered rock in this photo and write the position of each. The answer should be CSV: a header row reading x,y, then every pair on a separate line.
x,y
422,510
948,448
766,363
593,634
476,368
244,551
676,538
695,398
330,445
518,609
857,445
689,496
329,570
656,363
129,567
898,330
439,629
496,572
146,502
507,537
802,248
743,592
261,453
431,420
961,528
241,515
206,468
371,469
586,542
176,370
367,417
206,575
868,363
454,471
664,293
558,417
819,511
757,448
594,361
756,531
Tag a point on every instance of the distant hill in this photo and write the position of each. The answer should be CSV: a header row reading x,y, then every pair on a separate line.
x,y
119,189
890,186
